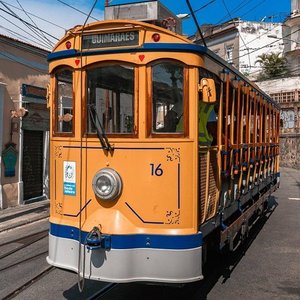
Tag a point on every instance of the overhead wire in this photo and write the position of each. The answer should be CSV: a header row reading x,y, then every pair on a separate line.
x,y
254,7
259,48
259,36
38,31
19,62
21,37
241,5
228,12
37,39
200,8
38,17
235,9
76,9
12,13
203,6
23,30
238,31
20,19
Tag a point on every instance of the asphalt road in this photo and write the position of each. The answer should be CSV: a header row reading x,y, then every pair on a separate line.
x,y
270,267
266,267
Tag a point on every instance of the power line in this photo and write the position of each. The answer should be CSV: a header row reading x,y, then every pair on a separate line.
x,y
237,8
260,3
31,14
268,44
196,22
196,10
38,32
205,5
238,30
23,37
258,37
242,4
12,13
20,19
30,28
16,61
78,10
23,46
246,48
22,29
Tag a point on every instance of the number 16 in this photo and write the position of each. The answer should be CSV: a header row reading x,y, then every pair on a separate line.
x,y
156,171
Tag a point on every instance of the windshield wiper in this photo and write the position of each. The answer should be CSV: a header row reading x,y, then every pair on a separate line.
x,y
100,133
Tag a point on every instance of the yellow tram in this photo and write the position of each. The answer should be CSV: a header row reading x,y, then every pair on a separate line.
x,y
157,147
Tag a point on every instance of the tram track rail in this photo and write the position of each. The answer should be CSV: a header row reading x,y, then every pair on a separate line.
x,y
25,241
11,247
14,246
23,261
28,283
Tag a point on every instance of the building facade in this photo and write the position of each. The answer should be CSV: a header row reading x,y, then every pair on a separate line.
x,y
286,91
291,38
20,63
241,42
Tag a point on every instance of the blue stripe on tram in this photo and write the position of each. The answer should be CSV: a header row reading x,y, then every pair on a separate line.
x,y
132,241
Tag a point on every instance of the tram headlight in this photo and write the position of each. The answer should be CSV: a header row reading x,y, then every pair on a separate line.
x,y
107,184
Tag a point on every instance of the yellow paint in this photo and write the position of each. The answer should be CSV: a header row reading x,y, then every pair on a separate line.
x,y
166,204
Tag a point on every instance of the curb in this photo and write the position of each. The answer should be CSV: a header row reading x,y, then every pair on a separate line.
x,y
18,223
21,215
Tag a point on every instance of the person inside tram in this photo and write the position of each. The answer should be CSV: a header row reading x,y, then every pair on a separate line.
x,y
173,119
170,121
208,124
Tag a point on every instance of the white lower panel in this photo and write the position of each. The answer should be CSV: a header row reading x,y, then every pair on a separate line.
x,y
157,265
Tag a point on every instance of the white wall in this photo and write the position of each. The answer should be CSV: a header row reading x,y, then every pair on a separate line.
x,y
295,5
280,85
256,39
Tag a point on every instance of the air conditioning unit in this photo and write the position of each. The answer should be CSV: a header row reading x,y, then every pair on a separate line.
x,y
149,11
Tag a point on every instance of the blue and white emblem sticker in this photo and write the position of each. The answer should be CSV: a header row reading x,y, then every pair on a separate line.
x,y
69,178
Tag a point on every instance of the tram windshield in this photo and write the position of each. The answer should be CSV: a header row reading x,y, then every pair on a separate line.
x,y
111,94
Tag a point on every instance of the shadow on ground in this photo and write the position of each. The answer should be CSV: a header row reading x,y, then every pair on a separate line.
x,y
219,266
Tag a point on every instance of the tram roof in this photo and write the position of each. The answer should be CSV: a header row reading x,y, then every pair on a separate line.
x,y
185,46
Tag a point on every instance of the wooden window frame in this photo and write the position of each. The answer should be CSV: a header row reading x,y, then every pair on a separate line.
x,y
55,132
135,133
149,105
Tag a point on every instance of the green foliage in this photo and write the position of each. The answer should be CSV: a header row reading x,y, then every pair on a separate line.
x,y
273,65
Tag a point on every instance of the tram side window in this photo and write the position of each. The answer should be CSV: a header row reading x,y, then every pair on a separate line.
x,y
64,101
167,98
111,99
208,113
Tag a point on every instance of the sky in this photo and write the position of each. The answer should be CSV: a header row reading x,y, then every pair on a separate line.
x,y
53,17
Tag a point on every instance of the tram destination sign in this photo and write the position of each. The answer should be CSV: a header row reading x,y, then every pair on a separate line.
x,y
113,39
